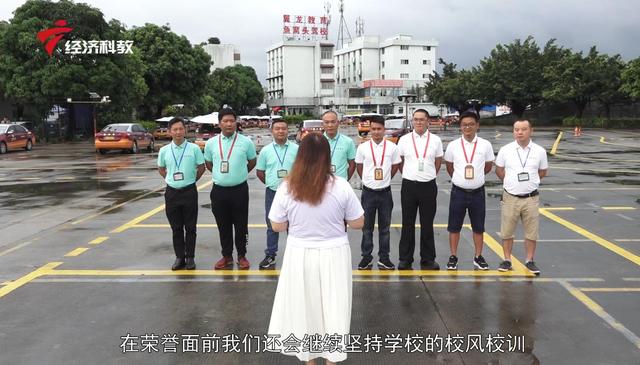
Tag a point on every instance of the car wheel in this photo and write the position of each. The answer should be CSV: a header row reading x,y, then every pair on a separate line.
x,y
134,148
3,147
101,151
29,145
152,146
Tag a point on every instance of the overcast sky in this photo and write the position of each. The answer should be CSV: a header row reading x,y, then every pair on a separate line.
x,y
467,30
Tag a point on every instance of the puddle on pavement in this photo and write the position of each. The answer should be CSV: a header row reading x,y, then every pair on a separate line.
x,y
604,174
624,182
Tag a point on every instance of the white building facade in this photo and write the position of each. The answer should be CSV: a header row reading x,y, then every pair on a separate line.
x,y
222,55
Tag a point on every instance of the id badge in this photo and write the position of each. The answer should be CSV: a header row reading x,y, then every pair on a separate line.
x,y
420,165
282,173
468,172
377,173
224,167
178,176
523,176
333,169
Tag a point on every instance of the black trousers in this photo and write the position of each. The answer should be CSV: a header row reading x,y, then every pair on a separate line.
x,y
181,207
230,207
418,196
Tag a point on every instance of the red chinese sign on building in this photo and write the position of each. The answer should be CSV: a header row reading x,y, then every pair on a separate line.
x,y
302,27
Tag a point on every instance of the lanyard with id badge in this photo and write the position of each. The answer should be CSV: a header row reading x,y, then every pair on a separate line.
x,y
523,176
178,175
335,144
377,171
224,164
468,169
282,172
424,154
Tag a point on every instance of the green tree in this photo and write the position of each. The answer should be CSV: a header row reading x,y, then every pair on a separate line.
x,y
176,71
454,88
512,73
631,79
237,86
29,76
214,40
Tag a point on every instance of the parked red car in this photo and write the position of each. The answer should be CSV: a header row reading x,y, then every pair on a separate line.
x,y
124,136
14,136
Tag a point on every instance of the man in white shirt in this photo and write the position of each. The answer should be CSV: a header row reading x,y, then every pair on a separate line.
x,y
521,165
421,153
377,162
468,159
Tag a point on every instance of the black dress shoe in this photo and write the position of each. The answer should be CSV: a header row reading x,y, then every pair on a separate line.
x,y
429,265
190,263
178,265
404,266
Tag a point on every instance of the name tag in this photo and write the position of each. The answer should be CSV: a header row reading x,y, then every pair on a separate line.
x,y
178,176
468,172
421,165
282,173
377,174
523,176
333,169
224,167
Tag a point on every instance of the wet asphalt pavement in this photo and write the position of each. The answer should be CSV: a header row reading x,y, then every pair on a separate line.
x,y
85,250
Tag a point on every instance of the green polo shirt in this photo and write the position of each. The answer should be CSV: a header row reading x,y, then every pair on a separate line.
x,y
187,155
243,151
342,150
274,157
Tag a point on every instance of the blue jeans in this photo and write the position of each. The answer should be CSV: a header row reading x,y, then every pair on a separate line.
x,y
272,237
382,202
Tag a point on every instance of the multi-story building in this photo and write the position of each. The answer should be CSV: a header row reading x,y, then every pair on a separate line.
x,y
222,55
300,75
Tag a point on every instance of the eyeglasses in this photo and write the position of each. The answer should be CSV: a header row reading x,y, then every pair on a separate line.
x,y
467,125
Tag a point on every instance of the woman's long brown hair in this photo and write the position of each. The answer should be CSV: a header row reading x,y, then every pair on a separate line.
x,y
311,170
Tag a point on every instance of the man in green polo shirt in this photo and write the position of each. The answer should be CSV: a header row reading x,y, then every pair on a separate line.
x,y
230,157
343,150
181,164
274,163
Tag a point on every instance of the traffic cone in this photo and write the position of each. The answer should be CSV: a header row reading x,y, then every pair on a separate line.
x,y
576,131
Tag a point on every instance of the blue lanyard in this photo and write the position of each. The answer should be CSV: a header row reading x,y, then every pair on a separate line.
x,y
178,163
520,158
283,156
335,144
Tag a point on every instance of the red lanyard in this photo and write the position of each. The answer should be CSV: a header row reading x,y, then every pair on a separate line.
x,y
384,149
424,155
230,150
465,151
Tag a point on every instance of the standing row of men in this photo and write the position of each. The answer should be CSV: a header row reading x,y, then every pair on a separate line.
x,y
418,156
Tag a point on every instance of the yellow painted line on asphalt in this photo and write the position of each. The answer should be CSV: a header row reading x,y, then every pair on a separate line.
x,y
136,177
592,236
65,178
610,290
15,284
77,252
518,267
560,208
602,140
498,135
618,208
261,225
556,144
600,312
98,240
148,214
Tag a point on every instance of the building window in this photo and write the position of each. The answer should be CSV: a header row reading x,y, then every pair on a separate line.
x,y
404,76
404,48
382,64
426,48
382,51
383,76
326,53
404,62
425,76
326,85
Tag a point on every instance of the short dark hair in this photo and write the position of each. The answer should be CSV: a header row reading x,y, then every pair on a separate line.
x,y
226,111
376,119
176,120
274,121
469,114
524,120
421,111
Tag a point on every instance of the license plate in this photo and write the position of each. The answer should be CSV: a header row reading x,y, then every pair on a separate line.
x,y
108,138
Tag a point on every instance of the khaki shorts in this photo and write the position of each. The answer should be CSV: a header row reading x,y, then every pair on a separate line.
x,y
514,208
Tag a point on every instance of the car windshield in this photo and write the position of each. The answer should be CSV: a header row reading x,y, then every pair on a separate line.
x,y
394,123
312,124
3,128
116,128
206,128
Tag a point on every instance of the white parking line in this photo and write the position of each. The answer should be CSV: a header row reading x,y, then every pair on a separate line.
x,y
625,217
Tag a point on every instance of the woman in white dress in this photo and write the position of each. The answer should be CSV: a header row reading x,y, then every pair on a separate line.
x,y
313,298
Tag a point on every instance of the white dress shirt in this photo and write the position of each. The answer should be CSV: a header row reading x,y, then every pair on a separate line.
x,y
364,157
410,170
512,157
456,155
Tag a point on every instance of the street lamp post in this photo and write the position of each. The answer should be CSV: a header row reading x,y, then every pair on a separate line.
x,y
406,98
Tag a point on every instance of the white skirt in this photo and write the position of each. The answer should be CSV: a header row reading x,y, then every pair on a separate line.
x,y
313,298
